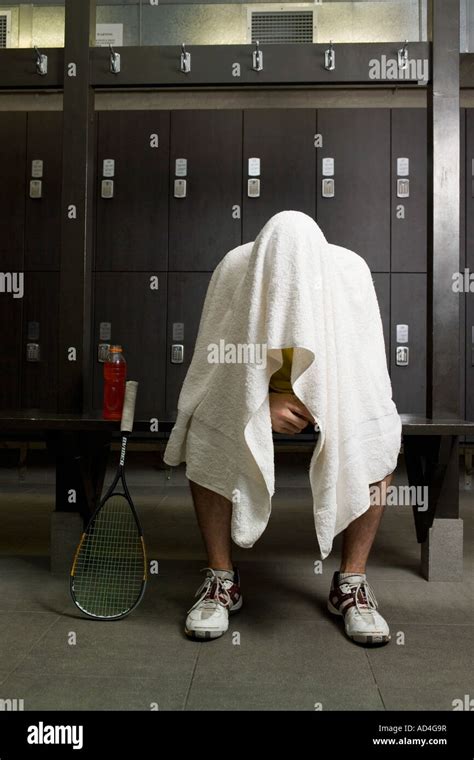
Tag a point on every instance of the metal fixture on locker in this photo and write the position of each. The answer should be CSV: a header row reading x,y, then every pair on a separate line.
x,y
253,184
257,58
41,63
33,352
330,58
403,56
185,64
114,60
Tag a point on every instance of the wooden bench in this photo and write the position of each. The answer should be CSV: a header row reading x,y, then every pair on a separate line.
x,y
80,446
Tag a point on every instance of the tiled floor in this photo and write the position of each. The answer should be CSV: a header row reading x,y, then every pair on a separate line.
x,y
282,651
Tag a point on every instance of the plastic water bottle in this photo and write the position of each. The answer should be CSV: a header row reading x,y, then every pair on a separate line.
x,y
115,375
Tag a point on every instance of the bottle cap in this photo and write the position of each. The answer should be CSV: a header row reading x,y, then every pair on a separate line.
x,y
115,349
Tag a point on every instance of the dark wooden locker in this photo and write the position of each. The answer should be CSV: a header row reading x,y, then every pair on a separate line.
x,y
409,214
408,307
382,289
10,350
43,215
283,140
137,317
39,381
358,216
186,294
132,226
206,223
12,191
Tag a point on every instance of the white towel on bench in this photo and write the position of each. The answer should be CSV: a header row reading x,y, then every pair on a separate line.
x,y
289,288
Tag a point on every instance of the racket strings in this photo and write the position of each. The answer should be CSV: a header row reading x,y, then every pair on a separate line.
x,y
109,571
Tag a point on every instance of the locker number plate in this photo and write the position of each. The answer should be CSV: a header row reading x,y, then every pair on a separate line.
x,y
328,167
254,167
402,356
36,188
32,352
181,167
253,188
177,353
328,189
108,167
37,168
180,188
403,188
107,188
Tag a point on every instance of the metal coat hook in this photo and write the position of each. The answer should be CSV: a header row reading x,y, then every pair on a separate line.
x,y
330,58
257,58
185,60
114,60
403,56
41,63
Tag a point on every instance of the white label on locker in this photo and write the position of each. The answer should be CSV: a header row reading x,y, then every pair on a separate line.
x,y
105,330
402,356
107,190
403,167
403,188
328,167
108,167
253,188
181,167
402,333
177,353
32,352
103,352
254,167
180,188
36,190
328,188
37,168
178,331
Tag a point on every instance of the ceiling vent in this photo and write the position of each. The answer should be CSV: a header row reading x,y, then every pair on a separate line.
x,y
5,23
277,26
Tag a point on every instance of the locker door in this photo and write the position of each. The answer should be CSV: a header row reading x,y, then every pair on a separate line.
x,y
132,226
408,307
43,214
382,289
10,350
283,140
40,329
12,191
129,312
409,214
205,154
462,263
358,215
469,297
186,294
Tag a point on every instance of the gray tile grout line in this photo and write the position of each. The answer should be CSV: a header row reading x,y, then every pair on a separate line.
x,y
186,698
34,643
375,680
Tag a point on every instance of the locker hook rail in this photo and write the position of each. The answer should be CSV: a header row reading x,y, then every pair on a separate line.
x,y
403,56
330,58
114,60
257,58
41,63
185,64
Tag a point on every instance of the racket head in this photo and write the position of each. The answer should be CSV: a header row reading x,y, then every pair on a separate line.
x,y
108,575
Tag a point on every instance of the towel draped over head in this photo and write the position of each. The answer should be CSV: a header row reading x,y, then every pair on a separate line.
x,y
290,288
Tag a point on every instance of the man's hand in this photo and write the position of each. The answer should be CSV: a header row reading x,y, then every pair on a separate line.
x,y
288,414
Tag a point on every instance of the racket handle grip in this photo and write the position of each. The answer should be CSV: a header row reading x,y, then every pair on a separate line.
x,y
128,411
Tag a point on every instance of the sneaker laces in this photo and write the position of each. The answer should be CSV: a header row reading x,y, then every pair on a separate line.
x,y
365,590
208,600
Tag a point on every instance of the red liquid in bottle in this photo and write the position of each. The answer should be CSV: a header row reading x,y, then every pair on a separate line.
x,y
115,375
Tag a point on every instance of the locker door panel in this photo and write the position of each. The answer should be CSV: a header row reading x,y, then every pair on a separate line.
x,y
206,223
40,328
12,191
10,350
358,215
137,317
186,294
43,215
132,226
382,289
409,215
408,307
283,140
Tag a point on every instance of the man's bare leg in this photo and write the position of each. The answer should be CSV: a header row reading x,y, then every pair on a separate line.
x,y
360,534
214,514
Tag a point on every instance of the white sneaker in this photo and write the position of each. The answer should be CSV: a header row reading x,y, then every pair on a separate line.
x,y
352,597
218,595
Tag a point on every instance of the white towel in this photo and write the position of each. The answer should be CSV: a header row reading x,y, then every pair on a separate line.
x,y
289,288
